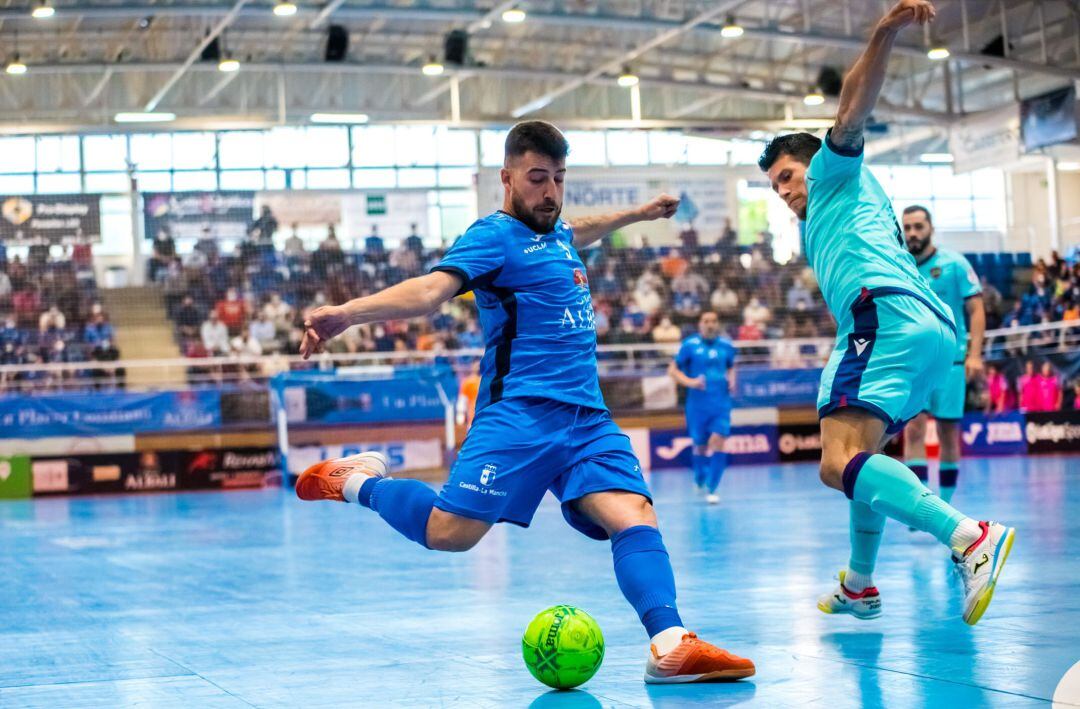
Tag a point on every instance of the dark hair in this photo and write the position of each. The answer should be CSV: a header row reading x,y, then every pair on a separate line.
x,y
801,146
539,137
919,208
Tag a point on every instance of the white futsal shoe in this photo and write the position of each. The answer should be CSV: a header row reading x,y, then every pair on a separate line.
x,y
980,567
865,604
712,498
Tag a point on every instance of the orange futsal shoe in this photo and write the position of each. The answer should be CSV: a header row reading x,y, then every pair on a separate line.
x,y
326,480
695,660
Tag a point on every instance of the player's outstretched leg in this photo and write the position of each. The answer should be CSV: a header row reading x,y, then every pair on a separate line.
x,y
718,461
856,593
889,488
643,571
406,505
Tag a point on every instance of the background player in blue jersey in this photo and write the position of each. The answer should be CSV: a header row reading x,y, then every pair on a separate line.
x,y
541,423
895,339
705,365
954,281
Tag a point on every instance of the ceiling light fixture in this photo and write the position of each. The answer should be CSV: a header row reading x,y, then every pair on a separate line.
x,y
285,9
814,98
42,11
15,66
936,158
432,67
938,53
513,16
731,28
627,78
228,64
339,118
144,117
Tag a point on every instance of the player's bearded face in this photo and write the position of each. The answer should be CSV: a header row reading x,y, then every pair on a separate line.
x,y
534,186
917,232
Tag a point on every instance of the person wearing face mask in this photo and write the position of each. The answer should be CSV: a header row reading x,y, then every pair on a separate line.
x,y
541,423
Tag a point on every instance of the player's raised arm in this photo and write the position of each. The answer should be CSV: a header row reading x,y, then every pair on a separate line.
x,y
590,229
409,299
862,86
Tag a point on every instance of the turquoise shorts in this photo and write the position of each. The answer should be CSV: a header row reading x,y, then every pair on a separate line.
x,y
947,401
892,352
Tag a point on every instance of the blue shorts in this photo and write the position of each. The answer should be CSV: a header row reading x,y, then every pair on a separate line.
x,y
521,447
892,354
947,401
702,423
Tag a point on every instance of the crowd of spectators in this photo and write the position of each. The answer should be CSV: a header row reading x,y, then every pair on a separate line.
x,y
50,313
1038,387
1053,296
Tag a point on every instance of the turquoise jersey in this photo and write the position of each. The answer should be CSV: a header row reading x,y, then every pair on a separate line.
x,y
851,237
953,279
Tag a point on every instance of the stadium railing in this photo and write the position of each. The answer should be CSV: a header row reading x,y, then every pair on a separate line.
x,y
1025,341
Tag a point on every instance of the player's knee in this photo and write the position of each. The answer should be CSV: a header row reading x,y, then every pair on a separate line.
x,y
834,460
451,540
447,532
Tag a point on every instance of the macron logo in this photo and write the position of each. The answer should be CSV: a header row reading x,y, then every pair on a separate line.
x,y
860,346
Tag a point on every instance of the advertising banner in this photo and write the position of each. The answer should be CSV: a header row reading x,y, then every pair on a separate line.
x,y
392,213
988,139
596,190
746,444
57,218
1053,432
15,482
186,214
1002,434
151,471
101,414
762,386
409,396
404,456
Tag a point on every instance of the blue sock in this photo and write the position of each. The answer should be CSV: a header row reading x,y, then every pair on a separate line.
x,y
919,467
404,504
717,466
947,474
865,529
701,466
643,570
891,489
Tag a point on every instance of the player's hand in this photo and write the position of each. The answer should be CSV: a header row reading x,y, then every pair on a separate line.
x,y
322,324
698,383
973,367
660,207
907,11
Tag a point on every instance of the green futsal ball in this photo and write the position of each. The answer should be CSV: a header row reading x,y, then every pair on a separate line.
x,y
563,647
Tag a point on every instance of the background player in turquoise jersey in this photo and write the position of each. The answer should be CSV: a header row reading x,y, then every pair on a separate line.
x,y
541,424
895,339
705,365
954,280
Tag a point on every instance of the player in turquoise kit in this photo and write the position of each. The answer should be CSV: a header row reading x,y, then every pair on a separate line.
x,y
705,366
541,424
895,344
953,279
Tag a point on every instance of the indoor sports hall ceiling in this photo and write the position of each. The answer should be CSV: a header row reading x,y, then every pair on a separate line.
x,y
95,58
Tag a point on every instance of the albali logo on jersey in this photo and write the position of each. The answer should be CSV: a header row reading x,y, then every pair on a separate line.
x,y
746,444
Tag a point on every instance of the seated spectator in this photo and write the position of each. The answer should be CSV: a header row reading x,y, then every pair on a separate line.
x,y
10,332
278,312
687,306
799,298
82,252
164,253
207,245
263,331
98,330
245,346
608,283
188,318
52,319
214,335
757,313
749,330
666,332
374,250
5,286
673,265
724,300
405,259
1016,317
37,255
105,351
414,242
1049,389
11,354
647,299
230,311
690,282
294,245
27,306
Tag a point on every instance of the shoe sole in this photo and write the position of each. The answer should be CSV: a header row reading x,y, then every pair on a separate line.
x,y
1002,553
718,676
828,611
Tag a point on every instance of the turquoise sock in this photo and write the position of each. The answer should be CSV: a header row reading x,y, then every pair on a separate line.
x,y
890,488
717,466
919,467
701,469
866,528
947,474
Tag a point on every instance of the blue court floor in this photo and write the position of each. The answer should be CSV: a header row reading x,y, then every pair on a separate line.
x,y
254,599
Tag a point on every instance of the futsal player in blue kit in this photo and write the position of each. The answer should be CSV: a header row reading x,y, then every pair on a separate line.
x,y
705,365
541,423
896,340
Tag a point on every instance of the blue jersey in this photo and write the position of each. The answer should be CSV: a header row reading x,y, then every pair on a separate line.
x,y
954,280
535,309
852,239
711,359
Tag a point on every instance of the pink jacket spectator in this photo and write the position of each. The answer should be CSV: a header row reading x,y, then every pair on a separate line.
x,y
1030,393
1049,392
